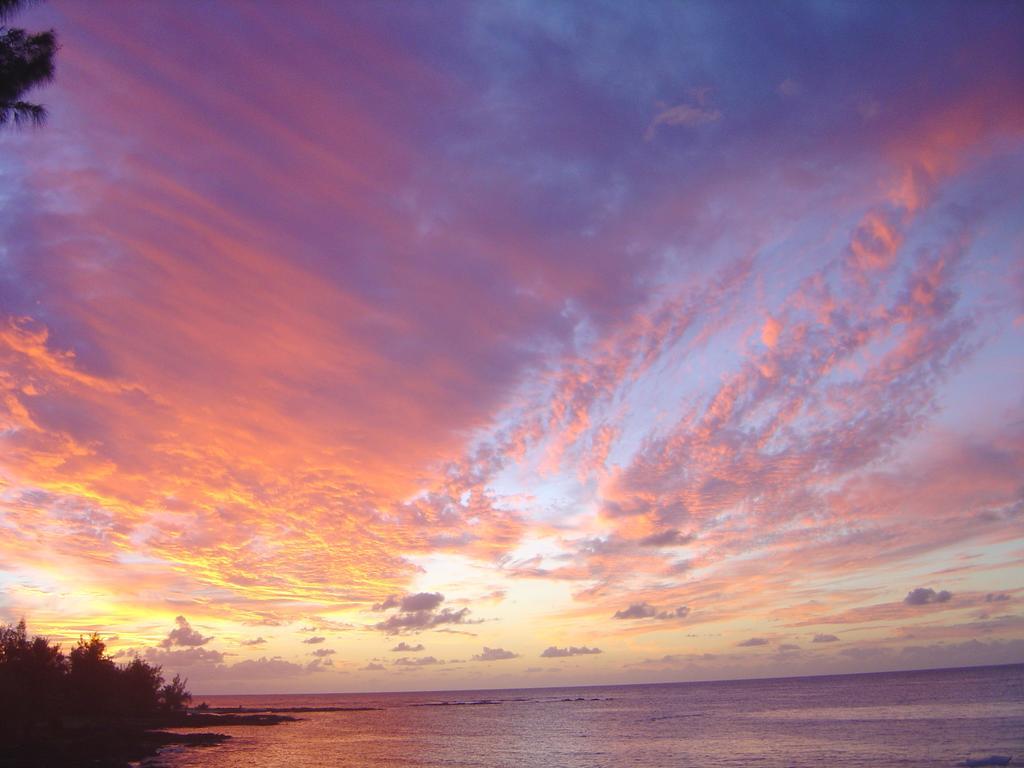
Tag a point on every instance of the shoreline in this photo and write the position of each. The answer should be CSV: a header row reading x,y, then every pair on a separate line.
x,y
77,742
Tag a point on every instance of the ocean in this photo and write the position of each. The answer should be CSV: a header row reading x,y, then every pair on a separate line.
x,y
911,719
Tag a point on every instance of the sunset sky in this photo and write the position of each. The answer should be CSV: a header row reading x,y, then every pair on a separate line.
x,y
409,345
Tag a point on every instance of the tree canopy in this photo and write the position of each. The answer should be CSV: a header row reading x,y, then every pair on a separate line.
x,y
38,681
26,61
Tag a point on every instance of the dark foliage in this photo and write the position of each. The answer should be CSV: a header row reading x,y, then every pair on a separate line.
x,y
39,684
26,60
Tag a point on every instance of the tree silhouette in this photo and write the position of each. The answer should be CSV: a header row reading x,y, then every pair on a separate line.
x,y
26,60
174,696
32,675
93,679
39,684
140,684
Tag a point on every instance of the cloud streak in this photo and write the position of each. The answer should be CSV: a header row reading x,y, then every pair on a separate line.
x,y
653,346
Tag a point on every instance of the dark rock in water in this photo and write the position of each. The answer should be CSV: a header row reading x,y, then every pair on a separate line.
x,y
164,739
276,710
99,747
206,719
984,761
95,743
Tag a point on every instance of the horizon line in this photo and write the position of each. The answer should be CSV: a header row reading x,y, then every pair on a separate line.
x,y
625,685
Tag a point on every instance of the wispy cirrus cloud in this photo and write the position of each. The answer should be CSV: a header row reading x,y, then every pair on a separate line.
x,y
638,357
682,115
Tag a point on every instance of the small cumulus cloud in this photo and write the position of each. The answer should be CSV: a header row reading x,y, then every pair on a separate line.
x,y
422,661
996,597
324,652
184,635
315,640
551,652
421,601
926,596
404,647
418,620
636,611
494,654
255,641
824,638
648,611
419,612
753,642
373,666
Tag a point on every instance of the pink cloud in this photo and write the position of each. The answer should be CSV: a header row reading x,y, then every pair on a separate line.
x,y
276,341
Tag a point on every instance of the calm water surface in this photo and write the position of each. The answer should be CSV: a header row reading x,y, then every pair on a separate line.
x,y
911,719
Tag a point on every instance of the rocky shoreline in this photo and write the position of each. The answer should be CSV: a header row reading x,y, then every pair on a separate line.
x,y
83,743
278,710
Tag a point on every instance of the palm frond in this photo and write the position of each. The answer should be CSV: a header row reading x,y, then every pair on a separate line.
x,y
9,7
20,113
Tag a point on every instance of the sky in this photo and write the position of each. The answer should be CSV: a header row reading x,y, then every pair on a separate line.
x,y
393,346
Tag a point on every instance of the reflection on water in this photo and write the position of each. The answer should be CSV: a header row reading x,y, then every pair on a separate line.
x,y
906,719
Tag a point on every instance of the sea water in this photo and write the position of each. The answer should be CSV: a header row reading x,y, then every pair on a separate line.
x,y
911,719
